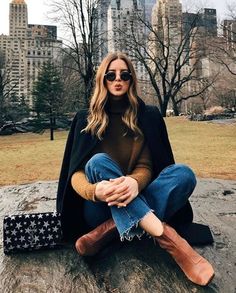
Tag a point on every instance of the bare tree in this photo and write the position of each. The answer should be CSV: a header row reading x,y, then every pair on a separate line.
x,y
6,88
72,84
80,19
171,59
231,8
225,46
224,90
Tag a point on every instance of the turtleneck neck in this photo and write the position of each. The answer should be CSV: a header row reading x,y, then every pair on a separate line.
x,y
117,106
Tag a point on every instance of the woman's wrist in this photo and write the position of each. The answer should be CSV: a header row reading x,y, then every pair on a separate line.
x,y
95,196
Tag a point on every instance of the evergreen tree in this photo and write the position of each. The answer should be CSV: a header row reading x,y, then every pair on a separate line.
x,y
47,94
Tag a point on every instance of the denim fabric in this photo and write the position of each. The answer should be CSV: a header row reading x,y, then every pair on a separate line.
x,y
164,196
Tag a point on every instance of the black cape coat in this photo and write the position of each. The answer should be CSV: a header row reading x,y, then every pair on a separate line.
x,y
78,147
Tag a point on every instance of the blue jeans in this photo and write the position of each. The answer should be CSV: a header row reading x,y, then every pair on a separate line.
x,y
164,196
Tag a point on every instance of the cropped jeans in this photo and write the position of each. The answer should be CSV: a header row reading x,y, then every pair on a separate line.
x,y
164,196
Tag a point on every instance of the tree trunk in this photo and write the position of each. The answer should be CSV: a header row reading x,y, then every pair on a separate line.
x,y
163,107
51,129
175,108
51,125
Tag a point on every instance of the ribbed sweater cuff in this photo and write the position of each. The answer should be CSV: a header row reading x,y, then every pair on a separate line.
x,y
84,188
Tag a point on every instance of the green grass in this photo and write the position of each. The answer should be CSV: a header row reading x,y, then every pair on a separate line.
x,y
210,149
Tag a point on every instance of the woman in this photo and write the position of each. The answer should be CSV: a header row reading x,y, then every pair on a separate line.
x,y
118,173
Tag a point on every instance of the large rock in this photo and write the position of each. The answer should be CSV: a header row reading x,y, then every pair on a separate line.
x,y
137,266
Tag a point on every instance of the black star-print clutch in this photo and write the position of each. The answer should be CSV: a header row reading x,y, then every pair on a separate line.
x,y
27,232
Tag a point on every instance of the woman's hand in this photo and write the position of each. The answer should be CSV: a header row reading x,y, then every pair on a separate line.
x,y
106,188
124,191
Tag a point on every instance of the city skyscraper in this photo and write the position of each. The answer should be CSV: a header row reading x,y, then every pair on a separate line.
x,y
167,22
117,20
103,6
148,5
121,15
206,18
26,49
209,21
229,33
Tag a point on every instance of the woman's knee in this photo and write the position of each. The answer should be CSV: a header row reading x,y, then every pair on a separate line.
x,y
103,166
177,175
184,175
98,160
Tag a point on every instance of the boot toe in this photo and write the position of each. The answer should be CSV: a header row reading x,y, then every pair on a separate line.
x,y
202,274
82,246
206,275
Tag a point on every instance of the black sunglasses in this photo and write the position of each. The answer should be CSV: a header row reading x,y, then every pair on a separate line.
x,y
111,75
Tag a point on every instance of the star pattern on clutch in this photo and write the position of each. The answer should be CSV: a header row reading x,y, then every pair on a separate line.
x,y
31,231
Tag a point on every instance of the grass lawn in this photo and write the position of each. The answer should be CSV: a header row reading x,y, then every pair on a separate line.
x,y
30,157
210,149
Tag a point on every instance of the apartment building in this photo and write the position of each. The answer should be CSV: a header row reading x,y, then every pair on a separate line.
x,y
229,33
117,21
26,49
167,25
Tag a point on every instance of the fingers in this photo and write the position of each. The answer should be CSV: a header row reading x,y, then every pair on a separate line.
x,y
127,201
118,201
117,180
121,204
109,191
114,191
117,195
115,188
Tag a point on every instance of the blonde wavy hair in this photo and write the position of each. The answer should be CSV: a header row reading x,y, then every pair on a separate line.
x,y
98,120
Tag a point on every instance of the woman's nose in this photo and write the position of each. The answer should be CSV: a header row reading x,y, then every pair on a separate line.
x,y
118,76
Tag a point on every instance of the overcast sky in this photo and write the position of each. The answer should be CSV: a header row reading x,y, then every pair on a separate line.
x,y
38,9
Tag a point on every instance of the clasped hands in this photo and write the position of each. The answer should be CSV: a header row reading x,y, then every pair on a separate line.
x,y
119,191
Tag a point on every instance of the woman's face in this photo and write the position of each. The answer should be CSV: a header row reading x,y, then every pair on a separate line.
x,y
118,87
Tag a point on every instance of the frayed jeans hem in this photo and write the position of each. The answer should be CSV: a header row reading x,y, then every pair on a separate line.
x,y
134,230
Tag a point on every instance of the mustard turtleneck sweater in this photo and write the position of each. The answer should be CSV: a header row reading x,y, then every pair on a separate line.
x,y
132,155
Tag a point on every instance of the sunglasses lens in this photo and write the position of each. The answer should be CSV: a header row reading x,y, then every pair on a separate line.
x,y
110,76
125,75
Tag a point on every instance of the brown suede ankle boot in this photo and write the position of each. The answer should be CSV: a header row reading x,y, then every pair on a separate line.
x,y
94,241
196,268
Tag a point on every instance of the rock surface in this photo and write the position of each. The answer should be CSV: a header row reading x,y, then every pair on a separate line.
x,y
136,266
